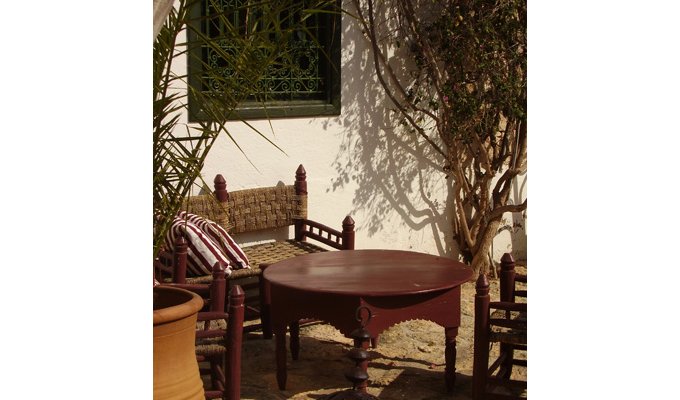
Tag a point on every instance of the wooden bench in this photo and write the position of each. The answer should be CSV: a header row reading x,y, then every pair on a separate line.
x,y
264,211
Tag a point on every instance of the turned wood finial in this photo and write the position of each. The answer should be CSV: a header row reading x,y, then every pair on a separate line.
x,y
348,223
482,285
221,188
218,289
218,270
507,262
181,244
179,273
348,233
507,281
236,296
301,181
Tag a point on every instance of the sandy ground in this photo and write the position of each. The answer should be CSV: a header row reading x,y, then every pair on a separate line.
x,y
407,364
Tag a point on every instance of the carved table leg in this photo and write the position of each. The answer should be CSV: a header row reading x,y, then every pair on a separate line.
x,y
359,354
295,339
450,357
360,357
281,373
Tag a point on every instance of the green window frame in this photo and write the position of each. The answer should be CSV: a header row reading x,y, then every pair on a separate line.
x,y
308,86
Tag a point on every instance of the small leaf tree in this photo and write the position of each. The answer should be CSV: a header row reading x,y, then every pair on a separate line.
x,y
464,93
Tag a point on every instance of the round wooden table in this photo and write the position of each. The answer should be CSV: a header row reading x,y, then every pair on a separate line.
x,y
391,285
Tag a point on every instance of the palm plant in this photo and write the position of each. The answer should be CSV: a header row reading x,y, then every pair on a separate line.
x,y
180,149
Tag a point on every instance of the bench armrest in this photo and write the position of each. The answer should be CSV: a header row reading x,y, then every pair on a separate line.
x,y
305,228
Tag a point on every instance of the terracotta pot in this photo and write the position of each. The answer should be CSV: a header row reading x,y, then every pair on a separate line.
x,y
175,369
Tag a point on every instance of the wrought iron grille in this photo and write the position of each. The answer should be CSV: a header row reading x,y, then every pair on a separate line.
x,y
298,75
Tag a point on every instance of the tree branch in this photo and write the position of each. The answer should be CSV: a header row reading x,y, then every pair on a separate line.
x,y
463,220
499,211
410,15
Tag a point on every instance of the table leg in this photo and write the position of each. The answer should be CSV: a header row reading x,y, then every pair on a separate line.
x,y
361,342
265,305
450,357
295,339
281,373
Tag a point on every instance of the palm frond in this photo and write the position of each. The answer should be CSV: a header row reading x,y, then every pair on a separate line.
x,y
180,149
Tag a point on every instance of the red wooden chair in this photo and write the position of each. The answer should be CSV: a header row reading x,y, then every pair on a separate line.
x,y
507,325
219,334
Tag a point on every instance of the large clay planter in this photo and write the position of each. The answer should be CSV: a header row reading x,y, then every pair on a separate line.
x,y
175,369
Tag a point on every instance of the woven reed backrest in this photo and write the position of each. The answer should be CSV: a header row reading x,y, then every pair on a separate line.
x,y
263,208
252,209
208,207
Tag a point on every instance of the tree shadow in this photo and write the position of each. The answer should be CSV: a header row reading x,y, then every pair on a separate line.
x,y
323,363
396,177
513,225
519,220
427,383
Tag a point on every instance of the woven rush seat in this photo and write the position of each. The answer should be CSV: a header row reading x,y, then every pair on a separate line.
x,y
508,330
269,253
265,253
211,346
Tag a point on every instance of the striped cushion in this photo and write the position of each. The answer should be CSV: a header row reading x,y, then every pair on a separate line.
x,y
219,235
203,252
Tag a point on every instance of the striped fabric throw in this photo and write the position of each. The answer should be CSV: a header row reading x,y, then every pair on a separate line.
x,y
220,237
203,252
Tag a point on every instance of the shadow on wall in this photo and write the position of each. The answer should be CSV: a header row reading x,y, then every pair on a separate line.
x,y
400,183
512,234
519,220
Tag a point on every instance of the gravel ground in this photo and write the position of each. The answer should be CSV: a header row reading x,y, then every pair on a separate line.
x,y
407,364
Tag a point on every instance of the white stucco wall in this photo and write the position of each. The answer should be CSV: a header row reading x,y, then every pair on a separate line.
x,y
356,166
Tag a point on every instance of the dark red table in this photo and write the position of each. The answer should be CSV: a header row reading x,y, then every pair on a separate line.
x,y
395,286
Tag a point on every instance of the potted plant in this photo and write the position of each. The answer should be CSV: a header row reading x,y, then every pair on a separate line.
x,y
175,369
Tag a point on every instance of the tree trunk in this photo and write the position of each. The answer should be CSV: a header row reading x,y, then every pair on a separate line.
x,y
480,259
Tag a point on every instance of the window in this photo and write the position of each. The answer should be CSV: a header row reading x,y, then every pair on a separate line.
x,y
303,82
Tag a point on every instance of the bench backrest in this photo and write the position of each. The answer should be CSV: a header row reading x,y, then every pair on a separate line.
x,y
256,209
